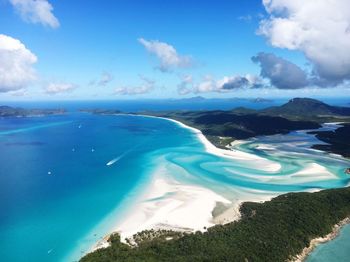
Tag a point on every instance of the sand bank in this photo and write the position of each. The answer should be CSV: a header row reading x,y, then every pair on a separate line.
x,y
168,204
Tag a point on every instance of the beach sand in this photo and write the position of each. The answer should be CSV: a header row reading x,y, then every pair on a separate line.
x,y
168,204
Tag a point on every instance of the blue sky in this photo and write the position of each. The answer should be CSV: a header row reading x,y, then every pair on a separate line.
x,y
125,50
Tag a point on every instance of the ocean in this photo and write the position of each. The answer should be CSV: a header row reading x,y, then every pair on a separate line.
x,y
337,250
65,181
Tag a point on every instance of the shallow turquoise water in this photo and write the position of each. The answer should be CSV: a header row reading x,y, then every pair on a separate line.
x,y
46,215
58,196
337,250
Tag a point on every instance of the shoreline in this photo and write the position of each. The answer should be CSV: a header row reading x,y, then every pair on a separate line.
x,y
230,153
167,204
320,240
189,199
146,215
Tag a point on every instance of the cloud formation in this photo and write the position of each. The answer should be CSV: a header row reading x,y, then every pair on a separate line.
x,y
281,73
16,64
167,55
318,28
145,87
237,82
58,88
186,85
226,84
36,11
104,80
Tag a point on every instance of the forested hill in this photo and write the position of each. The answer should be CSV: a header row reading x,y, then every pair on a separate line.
x,y
221,127
306,107
338,141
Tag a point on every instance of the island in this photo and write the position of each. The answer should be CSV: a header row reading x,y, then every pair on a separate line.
x,y
337,141
285,228
7,111
222,127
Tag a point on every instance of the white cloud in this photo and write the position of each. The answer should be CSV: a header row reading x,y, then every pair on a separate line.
x,y
20,93
318,28
186,85
105,79
16,64
167,54
36,11
227,83
57,88
208,84
145,87
238,82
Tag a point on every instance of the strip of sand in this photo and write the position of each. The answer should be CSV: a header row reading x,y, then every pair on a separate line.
x,y
168,204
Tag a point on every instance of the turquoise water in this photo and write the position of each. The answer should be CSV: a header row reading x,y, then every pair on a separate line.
x,y
58,196
46,215
337,250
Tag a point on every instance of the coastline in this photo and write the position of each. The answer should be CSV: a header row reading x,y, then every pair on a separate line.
x,y
169,213
233,154
191,208
320,240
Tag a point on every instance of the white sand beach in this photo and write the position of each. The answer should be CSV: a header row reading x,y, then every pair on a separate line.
x,y
168,204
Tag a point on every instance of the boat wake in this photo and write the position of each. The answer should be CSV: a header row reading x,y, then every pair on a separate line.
x,y
114,160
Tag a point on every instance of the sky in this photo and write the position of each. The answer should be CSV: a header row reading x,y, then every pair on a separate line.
x,y
132,49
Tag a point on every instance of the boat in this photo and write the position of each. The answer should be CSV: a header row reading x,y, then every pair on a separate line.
x,y
112,162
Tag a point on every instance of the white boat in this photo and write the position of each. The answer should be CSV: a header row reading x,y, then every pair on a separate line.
x,y
112,161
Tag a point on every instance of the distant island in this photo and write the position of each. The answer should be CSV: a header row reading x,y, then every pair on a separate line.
x,y
222,127
197,99
7,111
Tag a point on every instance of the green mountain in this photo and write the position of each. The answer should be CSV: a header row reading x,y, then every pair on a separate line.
x,y
307,107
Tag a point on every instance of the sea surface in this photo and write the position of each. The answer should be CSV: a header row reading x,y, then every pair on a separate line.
x,y
65,181
337,250
168,104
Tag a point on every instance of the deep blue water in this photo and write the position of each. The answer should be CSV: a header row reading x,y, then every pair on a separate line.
x,y
58,196
141,105
44,212
168,104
